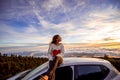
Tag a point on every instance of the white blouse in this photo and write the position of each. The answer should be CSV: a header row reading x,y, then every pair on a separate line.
x,y
53,47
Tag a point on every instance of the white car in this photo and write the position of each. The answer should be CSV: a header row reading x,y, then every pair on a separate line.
x,y
75,68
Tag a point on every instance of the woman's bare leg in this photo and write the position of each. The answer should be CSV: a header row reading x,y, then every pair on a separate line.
x,y
58,60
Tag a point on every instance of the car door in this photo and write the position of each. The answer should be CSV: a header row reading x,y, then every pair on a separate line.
x,y
90,72
62,73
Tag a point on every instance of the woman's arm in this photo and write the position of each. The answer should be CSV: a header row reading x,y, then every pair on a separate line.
x,y
50,52
62,51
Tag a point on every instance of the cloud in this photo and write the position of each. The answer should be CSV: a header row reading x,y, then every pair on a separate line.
x,y
52,4
29,36
102,24
31,29
108,39
75,21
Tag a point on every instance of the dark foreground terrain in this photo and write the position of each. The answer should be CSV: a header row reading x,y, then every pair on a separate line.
x,y
11,65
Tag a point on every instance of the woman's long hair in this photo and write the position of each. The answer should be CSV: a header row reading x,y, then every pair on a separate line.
x,y
54,39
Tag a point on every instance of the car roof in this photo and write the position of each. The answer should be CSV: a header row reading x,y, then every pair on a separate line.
x,y
79,60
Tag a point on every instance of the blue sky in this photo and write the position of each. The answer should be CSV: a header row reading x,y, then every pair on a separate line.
x,y
77,21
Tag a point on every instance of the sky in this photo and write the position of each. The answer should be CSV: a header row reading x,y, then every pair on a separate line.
x,y
76,21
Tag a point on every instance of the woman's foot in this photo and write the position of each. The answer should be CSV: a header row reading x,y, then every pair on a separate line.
x,y
45,77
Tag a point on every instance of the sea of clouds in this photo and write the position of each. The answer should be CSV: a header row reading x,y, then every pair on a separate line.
x,y
41,51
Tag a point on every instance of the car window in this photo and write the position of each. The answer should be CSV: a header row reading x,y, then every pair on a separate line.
x,y
90,72
64,73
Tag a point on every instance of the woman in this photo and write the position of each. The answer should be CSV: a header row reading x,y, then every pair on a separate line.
x,y
55,55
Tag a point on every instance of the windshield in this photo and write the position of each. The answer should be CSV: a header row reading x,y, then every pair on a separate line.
x,y
24,73
36,70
